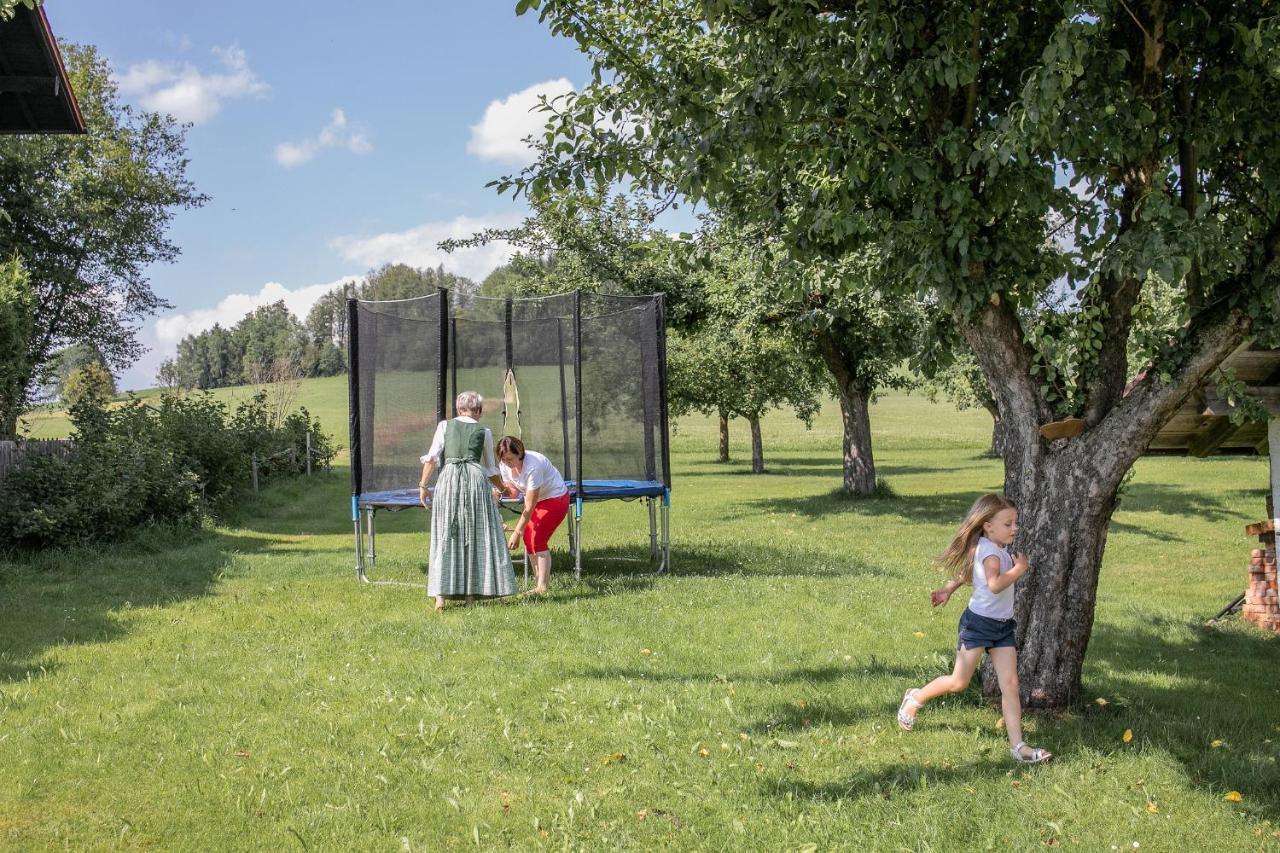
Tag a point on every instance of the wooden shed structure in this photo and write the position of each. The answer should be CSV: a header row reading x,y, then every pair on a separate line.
x,y
1203,425
35,95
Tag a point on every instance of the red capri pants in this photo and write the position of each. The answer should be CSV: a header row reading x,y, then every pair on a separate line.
x,y
545,518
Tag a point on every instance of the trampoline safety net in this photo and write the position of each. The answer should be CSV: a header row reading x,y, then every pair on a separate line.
x,y
588,371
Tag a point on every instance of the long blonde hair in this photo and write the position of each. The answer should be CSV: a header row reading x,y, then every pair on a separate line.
x,y
958,555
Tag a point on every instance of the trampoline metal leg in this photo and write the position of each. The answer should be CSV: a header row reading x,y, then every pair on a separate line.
x,y
360,575
577,547
666,539
653,531
373,534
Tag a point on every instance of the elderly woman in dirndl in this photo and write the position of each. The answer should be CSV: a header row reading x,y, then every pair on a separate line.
x,y
469,557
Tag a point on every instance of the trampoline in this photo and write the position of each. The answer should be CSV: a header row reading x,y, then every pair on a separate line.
x,y
580,377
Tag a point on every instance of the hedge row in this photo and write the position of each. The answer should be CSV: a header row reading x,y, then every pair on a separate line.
x,y
172,463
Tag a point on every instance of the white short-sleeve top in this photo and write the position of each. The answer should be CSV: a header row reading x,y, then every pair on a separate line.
x,y
536,473
488,460
984,602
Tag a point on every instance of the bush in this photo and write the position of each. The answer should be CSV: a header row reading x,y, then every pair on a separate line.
x,y
121,474
138,464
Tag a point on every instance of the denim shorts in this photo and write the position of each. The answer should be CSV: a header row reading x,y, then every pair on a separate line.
x,y
982,632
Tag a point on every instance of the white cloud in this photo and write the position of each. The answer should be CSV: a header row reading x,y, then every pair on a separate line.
x,y
418,246
335,134
500,134
187,93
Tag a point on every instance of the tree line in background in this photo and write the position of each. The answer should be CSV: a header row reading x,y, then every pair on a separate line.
x,y
270,343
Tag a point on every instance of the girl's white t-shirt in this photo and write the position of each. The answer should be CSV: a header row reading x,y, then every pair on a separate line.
x,y
536,473
984,602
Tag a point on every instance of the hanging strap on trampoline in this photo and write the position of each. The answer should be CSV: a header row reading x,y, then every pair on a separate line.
x,y
511,406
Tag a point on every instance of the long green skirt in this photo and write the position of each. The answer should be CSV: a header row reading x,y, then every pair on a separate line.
x,y
468,550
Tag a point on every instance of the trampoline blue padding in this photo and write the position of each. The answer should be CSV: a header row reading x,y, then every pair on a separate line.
x,y
600,490
592,490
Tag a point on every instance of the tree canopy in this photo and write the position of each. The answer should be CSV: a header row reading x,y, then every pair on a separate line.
x,y
88,216
991,155
741,358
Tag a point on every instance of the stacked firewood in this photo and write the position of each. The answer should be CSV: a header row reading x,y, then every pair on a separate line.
x,y
1261,604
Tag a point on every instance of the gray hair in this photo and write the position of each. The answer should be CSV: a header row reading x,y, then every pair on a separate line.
x,y
469,401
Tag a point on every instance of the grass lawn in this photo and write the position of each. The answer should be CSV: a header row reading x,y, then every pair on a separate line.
x,y
237,689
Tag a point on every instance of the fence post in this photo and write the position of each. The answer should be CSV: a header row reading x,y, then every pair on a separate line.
x,y
254,459
308,453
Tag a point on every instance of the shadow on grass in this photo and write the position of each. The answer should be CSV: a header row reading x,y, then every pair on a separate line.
x,y
951,507
1137,530
801,675
885,782
945,508
1169,499
79,595
1178,686
797,466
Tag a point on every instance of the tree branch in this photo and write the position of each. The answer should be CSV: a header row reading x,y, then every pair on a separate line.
x,y
996,339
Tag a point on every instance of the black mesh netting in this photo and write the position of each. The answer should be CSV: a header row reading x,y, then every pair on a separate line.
x,y
613,396
395,359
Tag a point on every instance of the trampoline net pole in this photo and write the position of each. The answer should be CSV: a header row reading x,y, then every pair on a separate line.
x,y
663,418
577,417
442,360
353,421
570,468
453,365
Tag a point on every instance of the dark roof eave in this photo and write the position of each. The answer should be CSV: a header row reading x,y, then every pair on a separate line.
x,y
54,55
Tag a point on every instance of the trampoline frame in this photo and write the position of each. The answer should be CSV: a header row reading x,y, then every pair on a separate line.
x,y
656,495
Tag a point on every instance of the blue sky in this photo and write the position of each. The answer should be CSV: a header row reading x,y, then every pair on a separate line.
x,y
330,137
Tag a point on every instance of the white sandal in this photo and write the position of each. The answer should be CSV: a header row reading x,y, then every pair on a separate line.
x,y
905,720
1038,756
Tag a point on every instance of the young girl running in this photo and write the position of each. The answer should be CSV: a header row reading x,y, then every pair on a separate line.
x,y
978,554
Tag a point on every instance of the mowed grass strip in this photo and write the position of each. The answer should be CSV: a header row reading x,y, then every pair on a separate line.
x,y
237,689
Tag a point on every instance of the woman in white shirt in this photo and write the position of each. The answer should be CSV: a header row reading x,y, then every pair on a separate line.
x,y
469,558
546,503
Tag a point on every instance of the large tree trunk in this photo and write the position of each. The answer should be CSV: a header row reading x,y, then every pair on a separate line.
x,y
1065,506
859,465
855,405
1066,490
757,446
724,437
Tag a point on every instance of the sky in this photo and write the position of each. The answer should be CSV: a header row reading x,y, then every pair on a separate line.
x,y
330,137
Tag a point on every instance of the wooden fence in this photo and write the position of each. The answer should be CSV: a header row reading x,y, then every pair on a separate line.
x,y
13,452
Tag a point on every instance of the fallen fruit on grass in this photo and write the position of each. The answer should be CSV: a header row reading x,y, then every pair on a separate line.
x,y
1127,737
1233,797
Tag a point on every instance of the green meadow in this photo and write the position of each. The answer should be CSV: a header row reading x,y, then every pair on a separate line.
x,y
235,688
